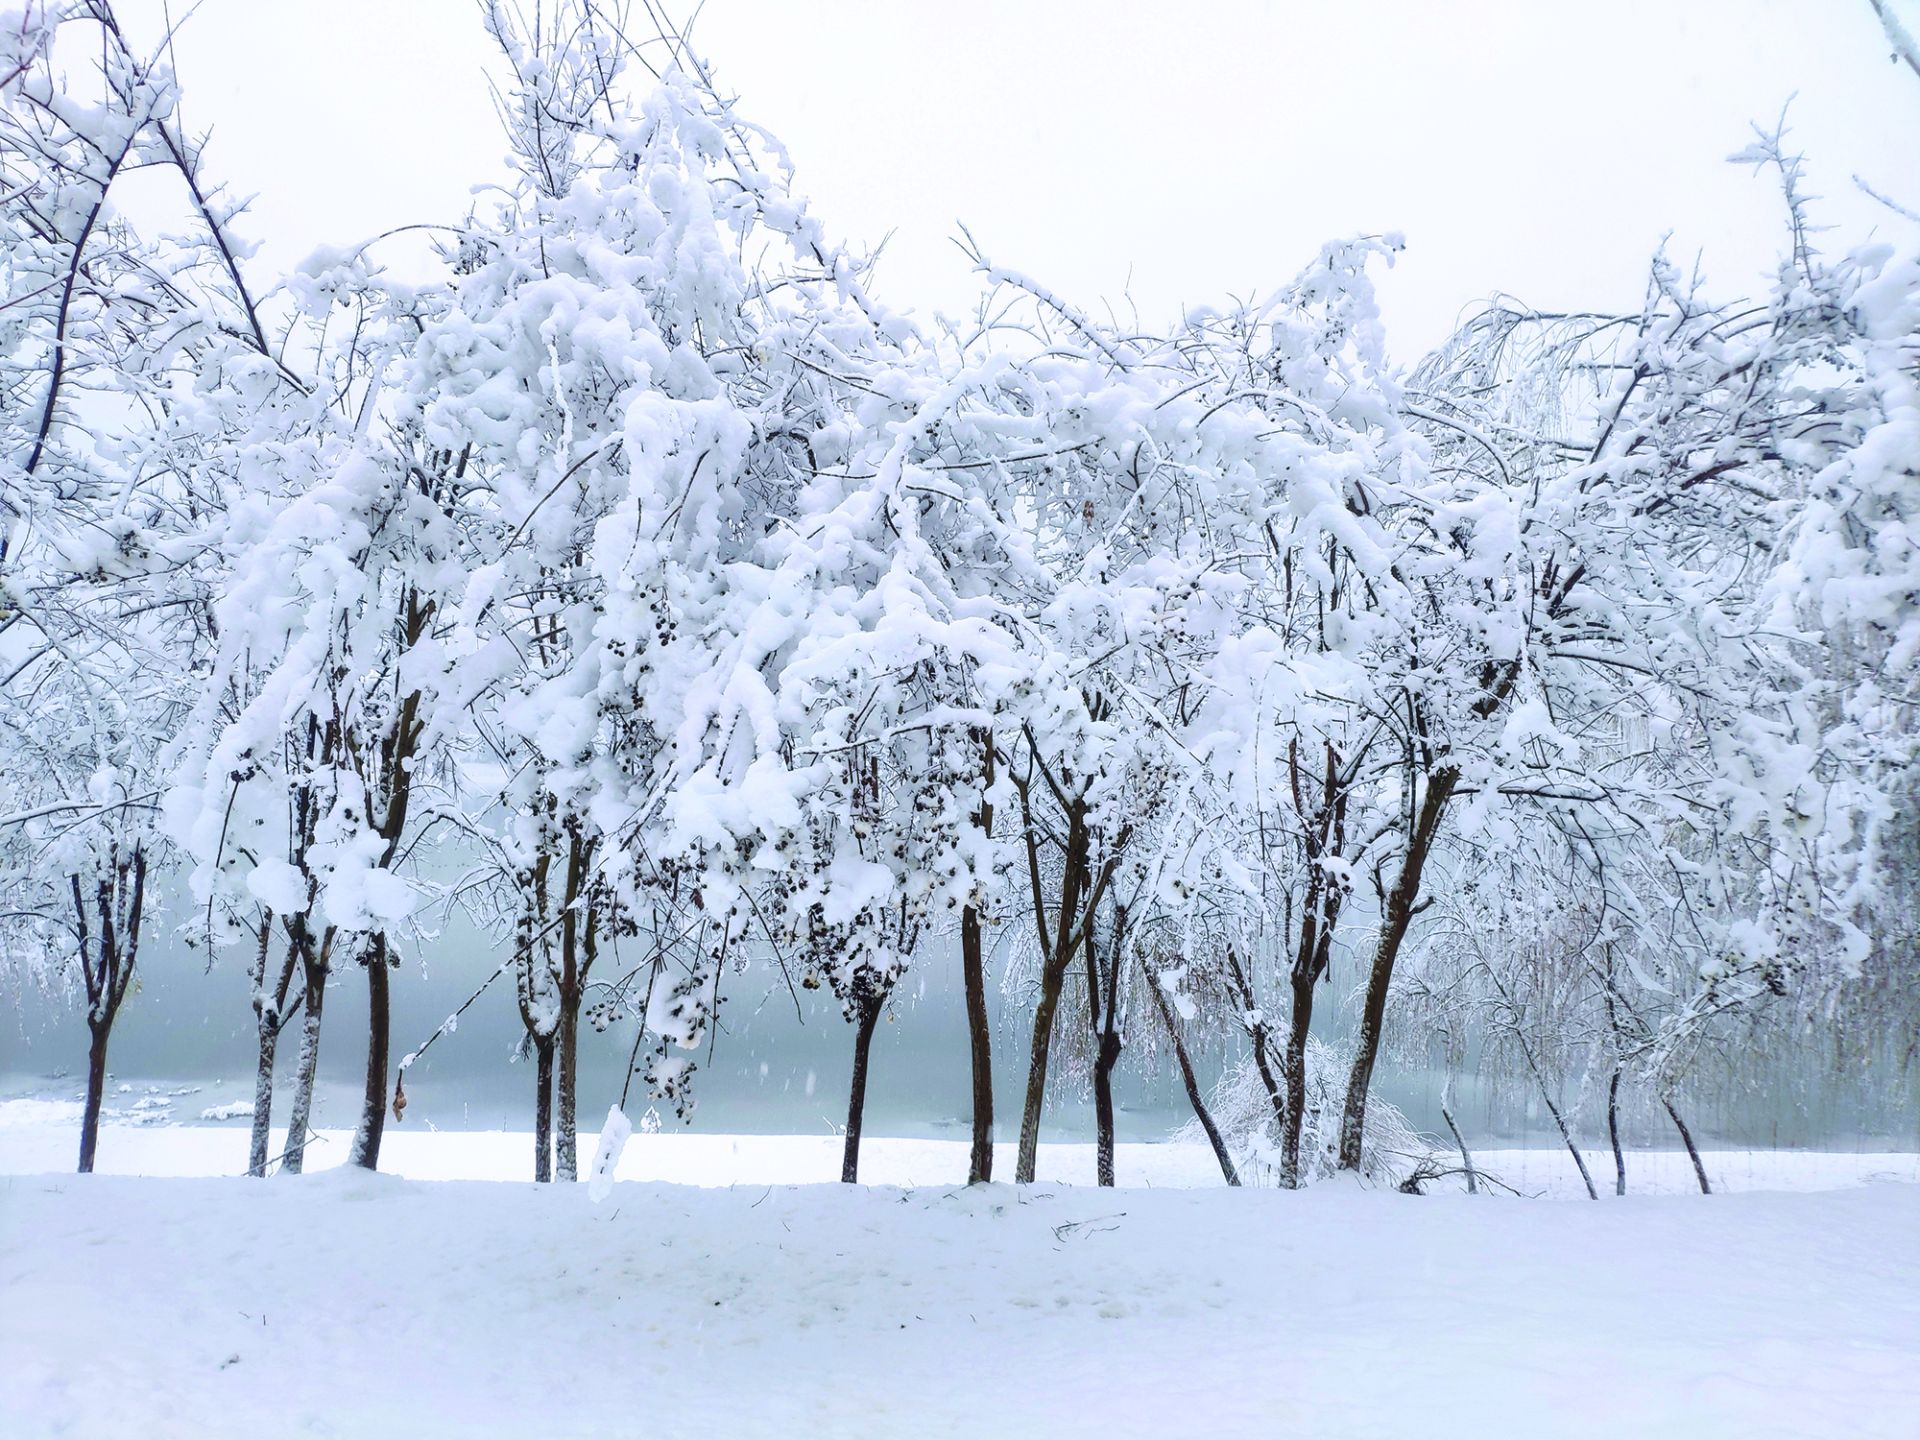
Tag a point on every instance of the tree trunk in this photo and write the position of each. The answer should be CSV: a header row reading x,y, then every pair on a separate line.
x,y
1106,1039
973,965
1400,907
96,1088
1686,1137
543,1109
299,1121
979,1045
1294,1068
1103,1107
865,1023
1027,1160
1053,975
1613,1133
1566,1131
373,1101
1466,1160
1573,1149
1187,1079
263,1098
566,1126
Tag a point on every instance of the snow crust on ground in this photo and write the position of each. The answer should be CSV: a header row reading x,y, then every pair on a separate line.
x,y
352,1304
42,1136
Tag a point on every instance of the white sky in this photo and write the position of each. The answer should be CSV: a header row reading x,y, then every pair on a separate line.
x,y
1172,153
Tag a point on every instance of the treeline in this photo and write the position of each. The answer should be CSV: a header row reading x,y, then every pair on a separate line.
x,y
695,612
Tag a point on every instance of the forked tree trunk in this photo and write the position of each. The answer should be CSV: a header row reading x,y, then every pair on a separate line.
x,y
1078,902
270,1015
1056,954
300,1118
865,1023
1320,908
1686,1138
1293,1073
1320,916
373,1100
1192,1084
106,968
543,1109
99,1030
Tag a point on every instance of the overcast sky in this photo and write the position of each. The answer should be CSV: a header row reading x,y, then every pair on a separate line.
x,y
1173,153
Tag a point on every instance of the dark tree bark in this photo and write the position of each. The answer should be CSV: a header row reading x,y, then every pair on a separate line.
x,y
1038,1050
1320,910
394,779
543,1111
1293,1069
1258,1032
1079,898
1106,1036
1686,1138
106,968
373,1102
1103,1062
973,967
96,1087
1058,955
1191,1083
1053,977
1402,903
1322,817
866,1020
979,1045
1103,1109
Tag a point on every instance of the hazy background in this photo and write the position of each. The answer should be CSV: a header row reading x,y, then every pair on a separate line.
x,y
771,1071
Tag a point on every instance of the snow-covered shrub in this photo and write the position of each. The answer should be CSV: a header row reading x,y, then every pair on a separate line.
x,y
1390,1146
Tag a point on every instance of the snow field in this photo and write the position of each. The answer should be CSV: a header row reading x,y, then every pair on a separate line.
x,y
355,1304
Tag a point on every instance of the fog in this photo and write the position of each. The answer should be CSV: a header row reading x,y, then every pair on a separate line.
x,y
780,1062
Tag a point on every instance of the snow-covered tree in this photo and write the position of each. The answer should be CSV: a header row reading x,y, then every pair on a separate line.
x,y
103,580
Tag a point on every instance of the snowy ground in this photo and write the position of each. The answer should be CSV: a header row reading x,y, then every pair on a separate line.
x,y
40,1136
745,1302
363,1305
